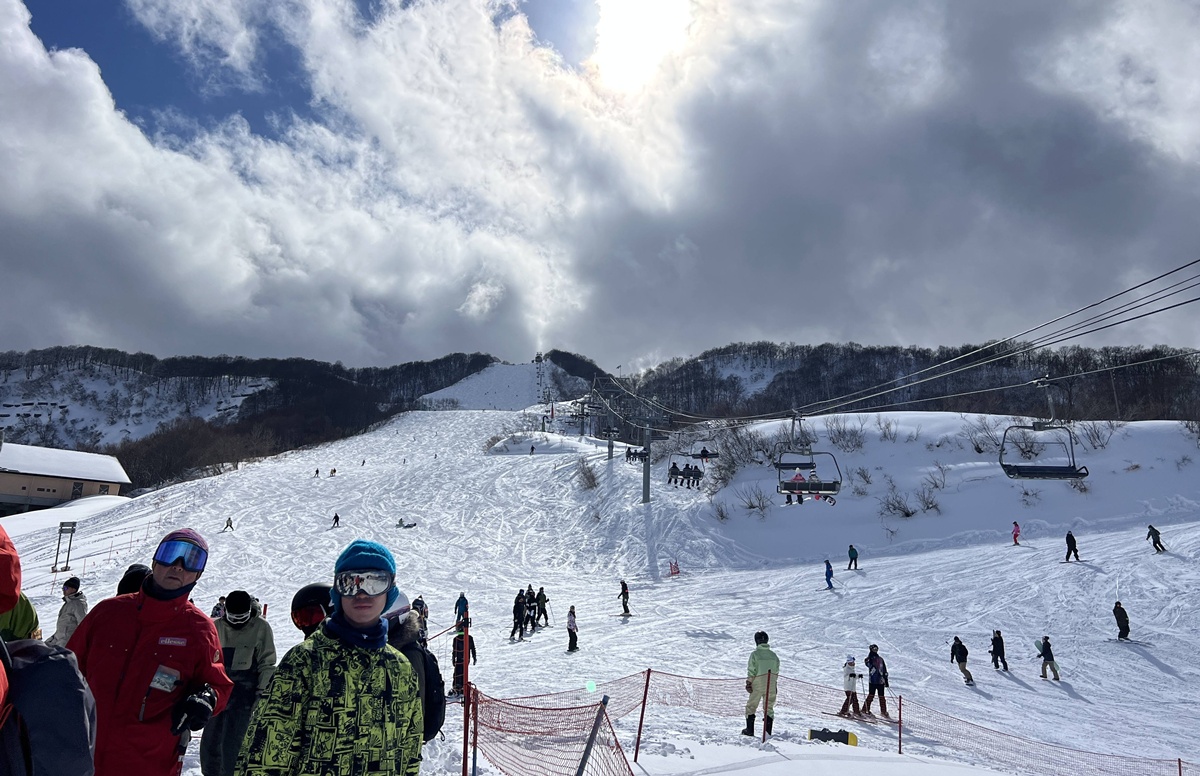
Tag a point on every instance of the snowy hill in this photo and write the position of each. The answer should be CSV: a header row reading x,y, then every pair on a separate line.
x,y
490,523
507,387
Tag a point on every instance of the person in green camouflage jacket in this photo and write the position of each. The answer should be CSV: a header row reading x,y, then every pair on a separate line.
x,y
343,702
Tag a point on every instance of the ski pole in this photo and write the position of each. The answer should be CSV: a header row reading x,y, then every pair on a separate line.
x,y
550,610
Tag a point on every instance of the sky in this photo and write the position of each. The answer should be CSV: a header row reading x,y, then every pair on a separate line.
x,y
920,581
379,181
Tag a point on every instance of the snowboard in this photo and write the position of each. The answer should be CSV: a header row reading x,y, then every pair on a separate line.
x,y
1133,641
838,736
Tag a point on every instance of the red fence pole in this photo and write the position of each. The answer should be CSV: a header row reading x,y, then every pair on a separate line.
x,y
642,717
900,725
466,702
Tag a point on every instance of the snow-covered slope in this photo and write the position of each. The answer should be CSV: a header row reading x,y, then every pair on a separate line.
x,y
489,523
507,387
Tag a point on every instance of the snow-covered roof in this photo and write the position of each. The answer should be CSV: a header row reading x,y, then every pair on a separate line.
x,y
70,464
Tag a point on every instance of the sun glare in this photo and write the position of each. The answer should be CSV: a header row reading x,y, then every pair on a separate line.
x,y
634,36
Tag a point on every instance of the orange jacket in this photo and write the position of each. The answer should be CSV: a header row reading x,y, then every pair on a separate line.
x,y
10,591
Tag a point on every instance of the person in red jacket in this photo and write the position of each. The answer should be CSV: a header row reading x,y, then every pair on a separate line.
x,y
10,593
153,661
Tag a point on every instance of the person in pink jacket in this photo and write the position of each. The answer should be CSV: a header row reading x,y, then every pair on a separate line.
x,y
1016,532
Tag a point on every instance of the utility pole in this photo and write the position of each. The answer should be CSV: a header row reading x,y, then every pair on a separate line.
x,y
646,465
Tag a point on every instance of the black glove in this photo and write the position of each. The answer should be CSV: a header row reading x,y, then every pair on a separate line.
x,y
193,711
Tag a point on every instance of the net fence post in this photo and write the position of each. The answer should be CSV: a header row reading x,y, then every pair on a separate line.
x,y
475,729
900,725
637,746
587,750
467,698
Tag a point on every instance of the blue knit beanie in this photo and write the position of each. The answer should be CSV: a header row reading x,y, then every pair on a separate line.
x,y
362,555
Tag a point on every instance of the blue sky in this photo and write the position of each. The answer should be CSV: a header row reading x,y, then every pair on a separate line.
x,y
387,180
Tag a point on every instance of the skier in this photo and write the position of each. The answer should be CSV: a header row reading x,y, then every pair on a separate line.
x,y
828,575
850,685
228,525
958,654
531,610
1048,658
853,564
422,610
1153,534
542,599
877,680
458,657
997,651
572,631
1122,621
762,678
317,473
1071,547
1016,533
518,612
624,596
460,608
814,483
337,520
531,449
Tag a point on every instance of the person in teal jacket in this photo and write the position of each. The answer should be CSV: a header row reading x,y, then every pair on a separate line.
x,y
762,678
343,702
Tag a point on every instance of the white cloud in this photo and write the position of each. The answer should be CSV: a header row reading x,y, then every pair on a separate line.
x,y
219,38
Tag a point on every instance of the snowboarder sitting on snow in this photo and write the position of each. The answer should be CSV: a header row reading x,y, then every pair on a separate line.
x,y
1154,534
1048,658
958,654
1122,621
762,678
997,651
850,684
877,680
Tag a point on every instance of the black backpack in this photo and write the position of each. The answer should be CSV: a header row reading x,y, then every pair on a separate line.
x,y
435,696
48,725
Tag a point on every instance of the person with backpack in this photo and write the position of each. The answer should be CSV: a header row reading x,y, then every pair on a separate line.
x,y
997,651
342,701
462,644
405,635
958,654
248,649
154,663
762,679
310,607
877,680
47,712
73,610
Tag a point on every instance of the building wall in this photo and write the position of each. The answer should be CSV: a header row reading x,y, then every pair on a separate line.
x,y
35,491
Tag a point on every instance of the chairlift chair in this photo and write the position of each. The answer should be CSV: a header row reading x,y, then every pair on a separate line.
x,y
1060,435
804,459
703,450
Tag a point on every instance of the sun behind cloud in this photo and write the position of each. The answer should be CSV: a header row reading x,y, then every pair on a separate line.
x,y
634,36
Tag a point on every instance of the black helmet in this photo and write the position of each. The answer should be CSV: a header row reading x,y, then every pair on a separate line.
x,y
760,637
305,605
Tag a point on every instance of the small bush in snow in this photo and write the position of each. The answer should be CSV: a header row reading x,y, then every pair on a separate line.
x,y
887,428
935,478
1030,497
863,474
983,432
1099,432
1192,427
492,441
859,490
1133,467
927,498
1079,486
895,504
1182,462
587,475
844,435
913,435
720,511
754,500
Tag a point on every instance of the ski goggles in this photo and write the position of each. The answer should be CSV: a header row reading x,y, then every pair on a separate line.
x,y
370,581
309,616
189,555
236,619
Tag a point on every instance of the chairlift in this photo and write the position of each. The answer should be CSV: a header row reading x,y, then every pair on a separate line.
x,y
703,450
791,465
1049,432
681,462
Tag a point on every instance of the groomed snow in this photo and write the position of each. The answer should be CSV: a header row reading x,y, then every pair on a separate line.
x,y
488,524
